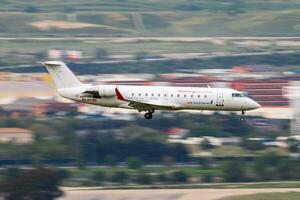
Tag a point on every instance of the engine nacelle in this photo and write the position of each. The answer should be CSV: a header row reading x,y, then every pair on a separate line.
x,y
100,91
107,90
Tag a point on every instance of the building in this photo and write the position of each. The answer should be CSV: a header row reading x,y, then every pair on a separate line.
x,y
16,135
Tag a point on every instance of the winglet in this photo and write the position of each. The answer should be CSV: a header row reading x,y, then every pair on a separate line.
x,y
119,95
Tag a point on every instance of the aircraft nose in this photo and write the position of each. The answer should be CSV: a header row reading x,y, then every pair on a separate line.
x,y
253,104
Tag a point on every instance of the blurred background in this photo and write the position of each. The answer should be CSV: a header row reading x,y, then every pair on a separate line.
x,y
48,143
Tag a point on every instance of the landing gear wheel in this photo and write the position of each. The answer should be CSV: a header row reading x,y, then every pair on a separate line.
x,y
148,115
242,119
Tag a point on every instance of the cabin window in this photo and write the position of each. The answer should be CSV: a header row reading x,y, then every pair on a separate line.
x,y
152,94
178,95
205,96
132,94
185,95
140,94
198,96
192,96
159,95
172,95
146,94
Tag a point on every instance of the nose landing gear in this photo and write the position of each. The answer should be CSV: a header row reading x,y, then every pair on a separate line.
x,y
242,119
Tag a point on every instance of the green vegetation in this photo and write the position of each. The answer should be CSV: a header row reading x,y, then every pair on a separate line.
x,y
155,18
266,196
267,167
34,184
95,140
124,156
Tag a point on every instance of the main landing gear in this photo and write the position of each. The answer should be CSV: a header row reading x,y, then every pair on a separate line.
x,y
242,119
148,115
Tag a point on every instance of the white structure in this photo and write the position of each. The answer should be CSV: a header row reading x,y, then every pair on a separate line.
x,y
294,96
16,135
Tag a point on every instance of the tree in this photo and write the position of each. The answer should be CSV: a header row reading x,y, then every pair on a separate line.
x,y
168,160
33,184
102,53
179,177
205,162
233,171
31,9
134,163
265,167
293,145
99,176
120,177
207,177
162,178
110,160
253,145
144,179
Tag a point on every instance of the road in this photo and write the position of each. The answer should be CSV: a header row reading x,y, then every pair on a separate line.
x,y
164,194
135,39
173,56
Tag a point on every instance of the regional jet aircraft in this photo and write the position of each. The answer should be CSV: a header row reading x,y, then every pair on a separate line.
x,y
148,98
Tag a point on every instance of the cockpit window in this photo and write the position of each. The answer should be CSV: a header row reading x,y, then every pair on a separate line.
x,y
239,95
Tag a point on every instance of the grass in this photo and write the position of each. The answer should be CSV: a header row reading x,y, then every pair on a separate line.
x,y
90,46
266,196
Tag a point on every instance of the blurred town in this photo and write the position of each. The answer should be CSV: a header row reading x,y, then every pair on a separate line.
x,y
75,149
33,94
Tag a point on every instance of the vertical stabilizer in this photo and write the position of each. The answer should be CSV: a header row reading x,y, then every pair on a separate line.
x,y
62,76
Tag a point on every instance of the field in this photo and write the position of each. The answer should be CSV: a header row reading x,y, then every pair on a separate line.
x,y
271,196
153,18
94,21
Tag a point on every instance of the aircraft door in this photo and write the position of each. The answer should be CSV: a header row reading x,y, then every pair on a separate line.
x,y
220,99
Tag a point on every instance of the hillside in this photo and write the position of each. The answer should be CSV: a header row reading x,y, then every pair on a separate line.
x,y
151,18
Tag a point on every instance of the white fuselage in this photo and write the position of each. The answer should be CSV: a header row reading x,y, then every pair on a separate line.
x,y
180,98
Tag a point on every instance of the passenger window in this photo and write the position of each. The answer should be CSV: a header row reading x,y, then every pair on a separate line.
x,y
198,96
205,96
192,96
159,95
140,94
172,95
185,95
152,94
146,94
178,95
132,94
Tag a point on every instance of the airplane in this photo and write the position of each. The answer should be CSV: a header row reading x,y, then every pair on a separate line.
x,y
148,99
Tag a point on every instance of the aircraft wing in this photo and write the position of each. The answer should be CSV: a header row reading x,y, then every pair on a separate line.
x,y
146,105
